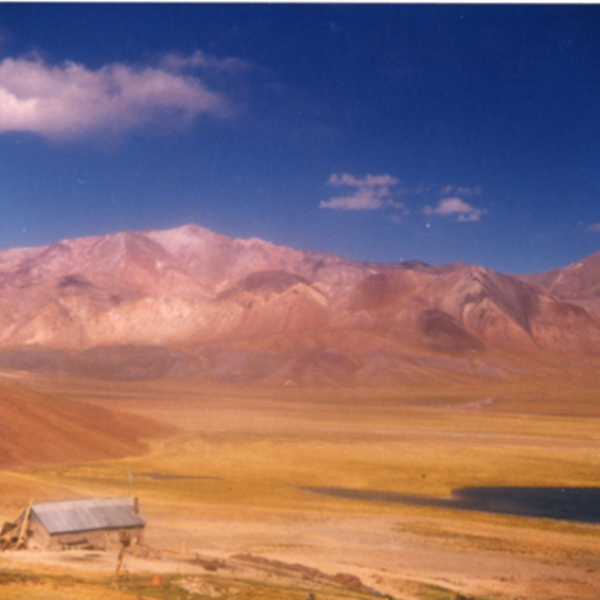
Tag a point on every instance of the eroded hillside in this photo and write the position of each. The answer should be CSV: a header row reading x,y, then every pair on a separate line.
x,y
191,303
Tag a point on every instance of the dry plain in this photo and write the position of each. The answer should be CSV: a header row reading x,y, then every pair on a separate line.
x,y
229,481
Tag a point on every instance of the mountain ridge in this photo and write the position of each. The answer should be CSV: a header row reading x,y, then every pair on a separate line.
x,y
234,310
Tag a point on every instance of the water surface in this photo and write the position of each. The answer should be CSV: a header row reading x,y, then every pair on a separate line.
x,y
568,503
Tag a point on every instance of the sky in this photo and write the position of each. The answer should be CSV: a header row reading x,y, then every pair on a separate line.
x,y
379,132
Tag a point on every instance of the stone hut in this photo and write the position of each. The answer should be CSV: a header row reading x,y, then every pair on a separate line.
x,y
88,523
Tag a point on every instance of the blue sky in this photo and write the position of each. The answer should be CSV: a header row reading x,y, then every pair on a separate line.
x,y
387,132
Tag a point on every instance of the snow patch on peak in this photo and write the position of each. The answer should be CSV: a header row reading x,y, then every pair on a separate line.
x,y
183,237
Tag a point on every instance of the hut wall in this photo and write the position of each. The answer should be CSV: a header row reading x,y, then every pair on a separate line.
x,y
38,537
101,539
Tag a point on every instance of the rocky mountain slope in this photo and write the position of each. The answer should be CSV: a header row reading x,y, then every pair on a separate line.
x,y
578,283
189,302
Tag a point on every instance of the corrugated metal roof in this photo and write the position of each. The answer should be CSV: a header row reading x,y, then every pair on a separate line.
x,y
90,514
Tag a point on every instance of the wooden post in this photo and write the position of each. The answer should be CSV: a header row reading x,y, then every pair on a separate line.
x,y
22,539
125,539
120,561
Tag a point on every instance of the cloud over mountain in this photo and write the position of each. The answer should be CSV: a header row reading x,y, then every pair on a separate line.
x,y
455,208
69,100
369,193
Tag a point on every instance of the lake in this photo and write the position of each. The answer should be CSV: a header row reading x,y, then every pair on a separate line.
x,y
580,504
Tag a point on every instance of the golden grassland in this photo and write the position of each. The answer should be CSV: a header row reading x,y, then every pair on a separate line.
x,y
173,587
230,480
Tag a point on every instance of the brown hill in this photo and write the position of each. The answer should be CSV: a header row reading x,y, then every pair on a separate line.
x,y
578,283
189,302
37,429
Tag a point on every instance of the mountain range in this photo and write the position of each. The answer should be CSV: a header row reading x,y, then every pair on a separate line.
x,y
188,302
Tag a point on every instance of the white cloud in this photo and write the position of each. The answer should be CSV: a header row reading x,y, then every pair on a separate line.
x,y
395,218
455,208
200,60
460,190
595,227
370,193
369,181
70,100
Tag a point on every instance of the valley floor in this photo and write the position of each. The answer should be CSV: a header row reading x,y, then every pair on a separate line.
x,y
230,482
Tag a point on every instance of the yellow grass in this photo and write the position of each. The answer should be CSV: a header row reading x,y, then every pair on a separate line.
x,y
258,450
242,457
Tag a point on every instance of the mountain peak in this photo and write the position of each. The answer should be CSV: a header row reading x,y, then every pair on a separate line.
x,y
231,309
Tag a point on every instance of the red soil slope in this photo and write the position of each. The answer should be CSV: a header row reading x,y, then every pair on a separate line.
x,y
36,429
